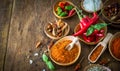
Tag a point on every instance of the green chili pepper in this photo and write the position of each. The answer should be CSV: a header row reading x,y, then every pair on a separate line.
x,y
50,65
45,58
69,7
98,26
59,10
90,30
63,14
48,62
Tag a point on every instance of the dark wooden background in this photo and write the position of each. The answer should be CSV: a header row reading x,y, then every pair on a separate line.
x,y
21,27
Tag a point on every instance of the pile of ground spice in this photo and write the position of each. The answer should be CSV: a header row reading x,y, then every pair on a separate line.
x,y
115,47
61,55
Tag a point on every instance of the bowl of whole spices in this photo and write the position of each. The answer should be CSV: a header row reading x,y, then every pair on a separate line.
x,y
56,29
114,46
64,9
111,12
61,56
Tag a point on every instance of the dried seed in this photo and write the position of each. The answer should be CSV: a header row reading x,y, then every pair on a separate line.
x,y
38,44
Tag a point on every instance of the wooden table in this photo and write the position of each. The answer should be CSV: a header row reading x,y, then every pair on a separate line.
x,y
21,27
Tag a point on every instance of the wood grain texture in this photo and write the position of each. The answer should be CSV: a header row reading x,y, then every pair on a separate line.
x,y
26,29
5,14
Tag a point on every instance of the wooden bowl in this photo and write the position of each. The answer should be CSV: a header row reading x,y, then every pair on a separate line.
x,y
77,28
56,5
101,5
116,35
66,32
104,13
96,65
58,42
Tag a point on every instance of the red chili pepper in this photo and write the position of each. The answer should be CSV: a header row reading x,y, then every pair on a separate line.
x,y
95,17
87,22
91,38
71,12
66,4
62,4
84,21
82,30
85,38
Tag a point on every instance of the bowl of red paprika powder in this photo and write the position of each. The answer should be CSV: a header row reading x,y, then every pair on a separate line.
x,y
63,9
114,46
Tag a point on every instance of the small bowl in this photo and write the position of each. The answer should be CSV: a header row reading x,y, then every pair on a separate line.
x,y
58,42
116,35
90,43
104,13
66,32
101,5
96,65
56,5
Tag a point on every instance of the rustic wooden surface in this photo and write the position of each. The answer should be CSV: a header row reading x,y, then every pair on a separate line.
x,y
5,13
21,27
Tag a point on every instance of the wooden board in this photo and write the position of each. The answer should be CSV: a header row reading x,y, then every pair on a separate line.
x,y
5,13
26,29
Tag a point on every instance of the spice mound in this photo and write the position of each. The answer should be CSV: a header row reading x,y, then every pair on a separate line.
x,y
61,55
115,47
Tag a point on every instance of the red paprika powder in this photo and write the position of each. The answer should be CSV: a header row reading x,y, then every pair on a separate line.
x,y
116,47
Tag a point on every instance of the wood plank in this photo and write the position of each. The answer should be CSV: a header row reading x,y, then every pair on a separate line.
x,y
5,13
26,29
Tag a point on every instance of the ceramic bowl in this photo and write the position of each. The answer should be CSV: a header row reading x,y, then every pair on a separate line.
x,y
116,35
61,40
77,28
55,7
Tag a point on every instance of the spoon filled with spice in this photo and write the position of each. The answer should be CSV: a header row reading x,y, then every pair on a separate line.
x,y
70,46
99,49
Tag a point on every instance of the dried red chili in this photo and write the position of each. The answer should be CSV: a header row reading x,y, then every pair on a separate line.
x,y
85,22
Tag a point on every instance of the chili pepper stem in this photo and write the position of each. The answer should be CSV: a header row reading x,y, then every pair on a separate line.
x,y
80,16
